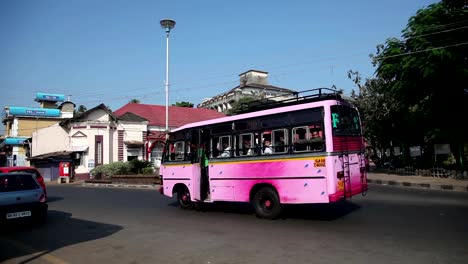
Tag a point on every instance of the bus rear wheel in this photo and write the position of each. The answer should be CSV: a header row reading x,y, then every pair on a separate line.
x,y
183,198
267,204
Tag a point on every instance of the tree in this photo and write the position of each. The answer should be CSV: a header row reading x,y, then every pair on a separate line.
x,y
378,109
81,109
239,106
427,72
183,104
134,101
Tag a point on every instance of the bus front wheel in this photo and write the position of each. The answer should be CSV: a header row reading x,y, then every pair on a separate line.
x,y
183,198
267,204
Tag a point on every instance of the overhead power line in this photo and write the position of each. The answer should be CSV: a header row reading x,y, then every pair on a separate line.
x,y
419,51
438,27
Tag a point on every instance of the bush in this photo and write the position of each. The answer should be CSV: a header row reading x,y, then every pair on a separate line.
x,y
108,170
137,166
123,168
147,171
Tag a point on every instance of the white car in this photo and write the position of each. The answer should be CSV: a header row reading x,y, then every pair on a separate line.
x,y
21,198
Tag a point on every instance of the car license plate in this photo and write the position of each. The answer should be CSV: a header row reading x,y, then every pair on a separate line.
x,y
18,214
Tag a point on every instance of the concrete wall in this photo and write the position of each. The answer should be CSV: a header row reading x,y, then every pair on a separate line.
x,y
50,139
26,126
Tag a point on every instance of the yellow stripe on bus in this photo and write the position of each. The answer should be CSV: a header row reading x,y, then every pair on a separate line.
x,y
248,161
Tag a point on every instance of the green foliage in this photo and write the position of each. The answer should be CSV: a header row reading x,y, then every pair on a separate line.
x,y
81,109
134,101
378,109
138,166
420,82
123,168
427,70
240,105
115,168
183,104
147,171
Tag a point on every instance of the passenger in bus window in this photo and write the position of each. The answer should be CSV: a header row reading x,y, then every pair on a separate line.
x,y
191,150
316,140
172,151
267,147
315,134
226,151
247,148
279,145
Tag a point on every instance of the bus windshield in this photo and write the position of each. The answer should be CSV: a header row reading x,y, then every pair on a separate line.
x,y
345,121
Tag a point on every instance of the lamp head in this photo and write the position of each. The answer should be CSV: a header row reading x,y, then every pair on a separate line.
x,y
167,24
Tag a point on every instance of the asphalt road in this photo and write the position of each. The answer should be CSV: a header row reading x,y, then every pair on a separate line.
x,y
109,225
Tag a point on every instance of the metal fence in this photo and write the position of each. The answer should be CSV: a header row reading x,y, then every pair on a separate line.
x,y
433,172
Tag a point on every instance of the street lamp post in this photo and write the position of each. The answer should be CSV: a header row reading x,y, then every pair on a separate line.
x,y
167,25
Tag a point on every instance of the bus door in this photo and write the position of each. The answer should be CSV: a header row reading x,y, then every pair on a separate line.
x,y
193,155
203,161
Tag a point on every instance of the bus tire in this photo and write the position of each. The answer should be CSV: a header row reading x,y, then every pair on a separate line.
x,y
183,198
267,204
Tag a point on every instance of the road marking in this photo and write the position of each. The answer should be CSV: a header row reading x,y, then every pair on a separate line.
x,y
38,255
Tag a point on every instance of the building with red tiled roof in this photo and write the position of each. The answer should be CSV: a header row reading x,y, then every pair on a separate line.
x,y
156,116
178,116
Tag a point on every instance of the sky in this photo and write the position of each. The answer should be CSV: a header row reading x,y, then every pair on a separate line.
x,y
112,51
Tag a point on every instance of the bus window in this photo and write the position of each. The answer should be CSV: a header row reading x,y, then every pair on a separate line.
x,y
226,146
345,121
279,139
317,142
300,137
245,145
266,143
171,151
191,151
215,147
223,146
179,150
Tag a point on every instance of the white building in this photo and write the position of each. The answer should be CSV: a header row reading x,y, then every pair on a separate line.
x,y
94,138
253,83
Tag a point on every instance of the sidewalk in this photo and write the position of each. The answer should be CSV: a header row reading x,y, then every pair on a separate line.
x,y
421,182
114,185
122,185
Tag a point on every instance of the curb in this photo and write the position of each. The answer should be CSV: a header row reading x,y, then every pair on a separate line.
x,y
116,185
440,187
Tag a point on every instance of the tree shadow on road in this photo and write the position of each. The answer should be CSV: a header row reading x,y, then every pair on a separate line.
x,y
23,239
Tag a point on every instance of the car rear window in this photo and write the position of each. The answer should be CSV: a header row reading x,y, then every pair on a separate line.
x,y
33,172
17,182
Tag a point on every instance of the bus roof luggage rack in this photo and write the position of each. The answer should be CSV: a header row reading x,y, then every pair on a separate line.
x,y
307,96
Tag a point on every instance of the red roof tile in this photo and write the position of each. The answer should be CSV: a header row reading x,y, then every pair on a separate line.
x,y
178,116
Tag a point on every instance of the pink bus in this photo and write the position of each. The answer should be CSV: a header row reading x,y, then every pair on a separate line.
x,y
308,149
